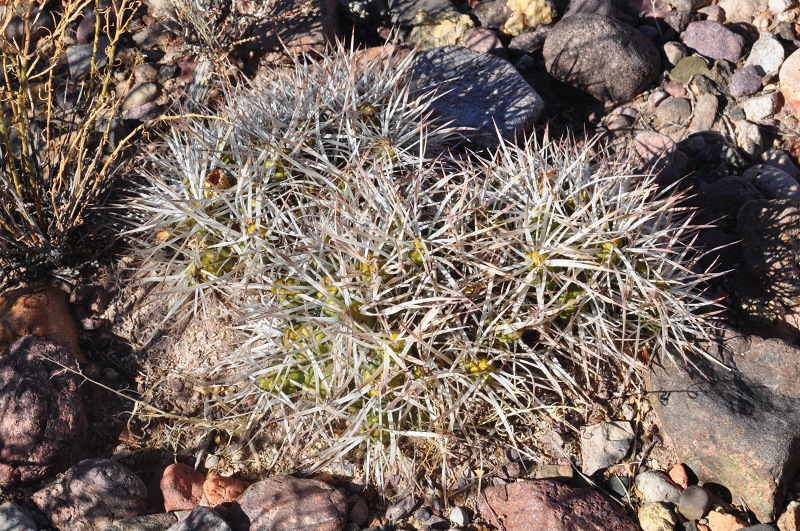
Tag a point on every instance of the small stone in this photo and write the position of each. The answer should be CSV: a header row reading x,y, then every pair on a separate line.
x,y
749,138
657,516
182,487
79,57
745,82
767,54
790,519
724,522
221,489
672,113
201,519
678,474
688,67
605,444
713,40
295,503
149,522
141,94
556,472
459,517
13,518
705,113
142,113
779,6
654,486
92,495
483,40
760,107
401,509
491,13
145,73
423,514
359,513
790,82
694,502
713,13
674,52
653,152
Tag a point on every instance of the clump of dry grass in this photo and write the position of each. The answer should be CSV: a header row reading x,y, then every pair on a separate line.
x,y
55,135
398,302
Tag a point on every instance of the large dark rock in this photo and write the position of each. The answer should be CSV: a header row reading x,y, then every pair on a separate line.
x,y
739,427
602,56
92,495
479,92
550,505
283,503
42,410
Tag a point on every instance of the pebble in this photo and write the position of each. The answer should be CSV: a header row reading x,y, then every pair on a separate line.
x,y
79,57
141,94
653,486
605,444
688,67
359,513
713,40
767,54
401,509
657,516
677,473
182,487
745,82
790,519
675,52
724,522
705,113
694,502
222,489
761,107
459,517
790,82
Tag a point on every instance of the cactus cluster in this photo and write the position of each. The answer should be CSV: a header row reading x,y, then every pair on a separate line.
x,y
398,301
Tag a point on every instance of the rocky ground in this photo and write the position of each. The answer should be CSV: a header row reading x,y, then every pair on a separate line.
x,y
709,93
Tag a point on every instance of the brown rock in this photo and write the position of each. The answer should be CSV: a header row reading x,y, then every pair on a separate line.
x,y
221,489
790,519
182,487
43,311
284,503
43,416
724,522
528,505
679,476
789,77
92,495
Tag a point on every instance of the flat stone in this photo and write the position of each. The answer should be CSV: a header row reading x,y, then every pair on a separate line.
x,y
92,495
749,138
550,505
205,519
761,107
724,522
13,518
767,54
148,522
602,56
43,311
605,444
284,503
141,94
79,57
738,427
182,487
745,82
688,67
789,77
221,489
657,516
653,486
705,113
502,102
43,416
713,40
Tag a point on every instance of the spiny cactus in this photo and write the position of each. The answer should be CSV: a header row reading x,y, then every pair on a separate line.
x,y
225,192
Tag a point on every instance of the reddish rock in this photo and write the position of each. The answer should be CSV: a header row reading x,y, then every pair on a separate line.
x,y
43,416
182,487
651,151
789,77
92,495
43,311
285,503
679,476
528,505
724,522
712,39
221,489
